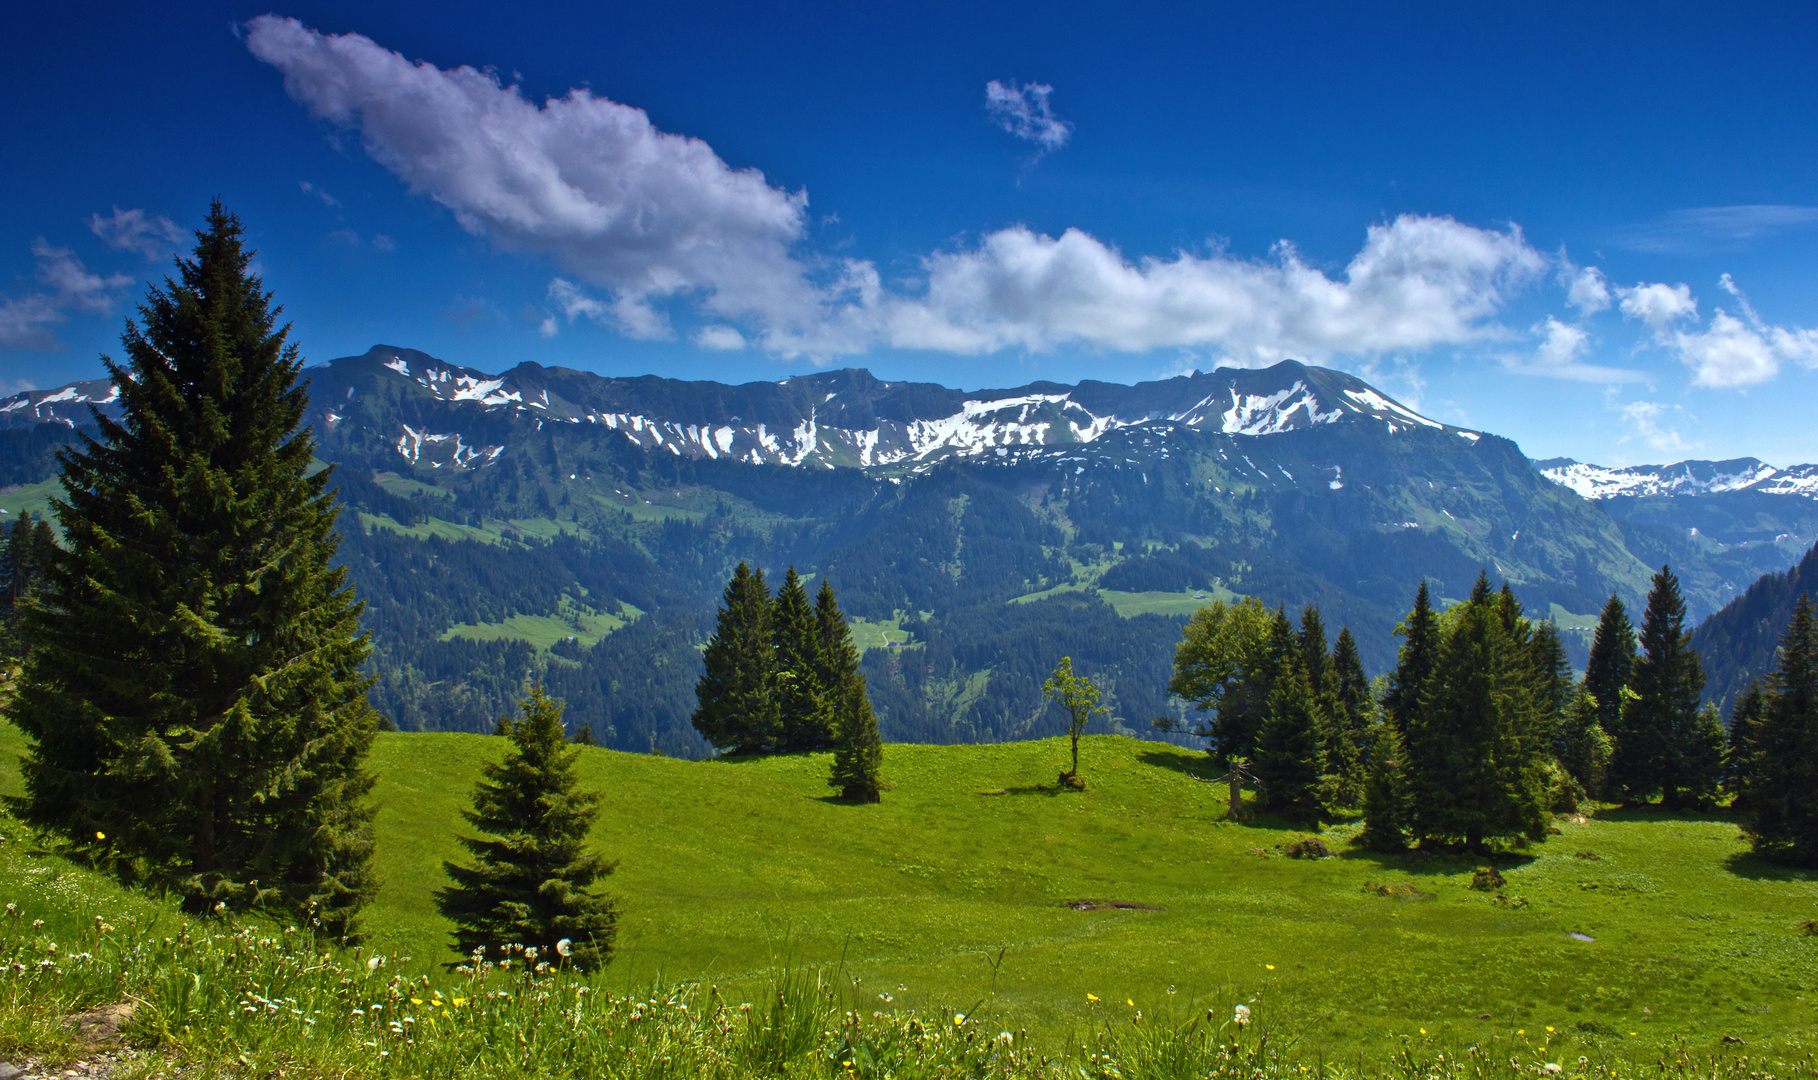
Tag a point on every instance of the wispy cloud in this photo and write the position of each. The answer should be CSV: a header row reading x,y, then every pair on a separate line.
x,y
26,321
153,236
1023,111
311,189
1560,355
1646,422
1707,229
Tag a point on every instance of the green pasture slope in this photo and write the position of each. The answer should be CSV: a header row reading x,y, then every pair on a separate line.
x,y
728,867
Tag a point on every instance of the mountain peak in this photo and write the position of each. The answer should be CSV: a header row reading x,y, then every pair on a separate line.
x,y
1690,477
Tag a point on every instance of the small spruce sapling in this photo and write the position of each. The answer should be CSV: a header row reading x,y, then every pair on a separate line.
x,y
532,878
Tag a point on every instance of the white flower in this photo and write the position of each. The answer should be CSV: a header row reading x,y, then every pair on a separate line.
x,y
1241,1016
1551,1068
1004,1038
373,963
564,947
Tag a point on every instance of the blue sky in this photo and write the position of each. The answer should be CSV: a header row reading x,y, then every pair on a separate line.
x,y
1592,228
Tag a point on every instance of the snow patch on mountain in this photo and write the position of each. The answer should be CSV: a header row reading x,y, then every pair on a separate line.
x,y
1681,478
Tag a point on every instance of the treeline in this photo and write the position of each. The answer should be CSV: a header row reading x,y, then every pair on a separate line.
x,y
1478,733
781,677
1738,643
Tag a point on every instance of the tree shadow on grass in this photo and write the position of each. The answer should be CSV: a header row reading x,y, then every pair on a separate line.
x,y
1747,864
1653,812
1437,862
1196,764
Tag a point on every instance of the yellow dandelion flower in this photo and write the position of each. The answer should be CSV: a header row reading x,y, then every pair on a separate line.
x,y
416,1001
1091,997
1130,1002
1271,967
99,835
1521,1031
460,1001
1423,1031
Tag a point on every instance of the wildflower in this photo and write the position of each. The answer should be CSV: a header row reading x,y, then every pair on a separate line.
x,y
1091,997
460,1002
416,1001
1549,1030
1423,1031
1130,1002
1271,967
564,947
958,1019
1004,1038
373,963
99,835
886,998
1521,1031
1241,1016
1551,1068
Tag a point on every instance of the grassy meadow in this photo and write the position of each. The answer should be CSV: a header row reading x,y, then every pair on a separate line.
x,y
957,888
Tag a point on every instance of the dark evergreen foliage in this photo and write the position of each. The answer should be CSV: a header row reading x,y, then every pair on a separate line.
x,y
1583,747
1414,665
1665,744
1737,644
1385,801
1779,783
1739,748
737,690
192,692
532,881
1477,761
1289,753
802,708
858,752
1612,659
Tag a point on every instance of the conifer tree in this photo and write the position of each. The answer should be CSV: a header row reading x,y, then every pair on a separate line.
x,y
737,707
1583,746
801,711
836,658
1419,652
1662,744
1385,801
193,692
532,879
1780,788
858,752
1474,772
1555,687
1289,755
1612,660
1745,723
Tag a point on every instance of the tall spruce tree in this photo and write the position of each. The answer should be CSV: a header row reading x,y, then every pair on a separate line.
x,y
1385,800
1612,660
802,711
1414,665
1289,751
1780,786
858,751
192,694
1475,772
736,694
532,880
1745,724
1661,743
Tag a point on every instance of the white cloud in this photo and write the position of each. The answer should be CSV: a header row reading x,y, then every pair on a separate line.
x,y
1727,353
720,338
1558,356
635,216
1417,282
1586,288
1643,419
1024,112
587,181
26,321
1657,305
153,236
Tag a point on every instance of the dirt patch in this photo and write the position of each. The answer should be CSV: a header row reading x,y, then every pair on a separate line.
x,y
1308,847
999,791
1108,905
1397,892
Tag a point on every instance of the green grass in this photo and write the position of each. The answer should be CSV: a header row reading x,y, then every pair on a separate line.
x,y
874,634
1129,604
31,499
728,866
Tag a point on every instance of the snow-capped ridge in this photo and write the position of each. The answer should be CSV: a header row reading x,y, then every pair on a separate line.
x,y
1681,478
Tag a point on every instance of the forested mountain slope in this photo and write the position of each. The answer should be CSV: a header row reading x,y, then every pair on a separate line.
x,y
580,526
1738,644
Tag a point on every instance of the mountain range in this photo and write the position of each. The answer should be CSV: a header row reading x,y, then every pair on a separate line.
x,y
580,526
